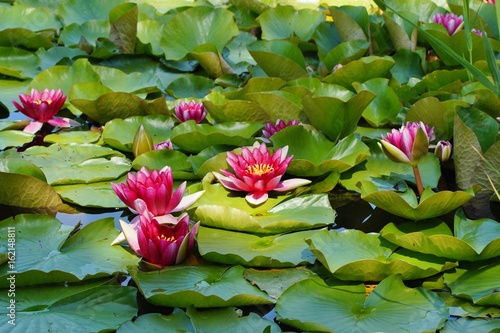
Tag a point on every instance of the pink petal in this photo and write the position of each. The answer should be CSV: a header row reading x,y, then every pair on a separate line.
x,y
187,201
60,122
33,127
291,184
131,236
256,198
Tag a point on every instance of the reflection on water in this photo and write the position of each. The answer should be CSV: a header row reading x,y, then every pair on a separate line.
x,y
86,218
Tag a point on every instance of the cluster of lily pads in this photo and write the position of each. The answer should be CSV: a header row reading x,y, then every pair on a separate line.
x,y
224,134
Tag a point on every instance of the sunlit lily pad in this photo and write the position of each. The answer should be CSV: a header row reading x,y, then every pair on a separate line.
x,y
73,137
45,254
223,109
77,308
12,138
471,325
238,248
99,194
312,306
301,213
156,322
477,282
341,254
314,155
406,205
474,239
198,286
194,137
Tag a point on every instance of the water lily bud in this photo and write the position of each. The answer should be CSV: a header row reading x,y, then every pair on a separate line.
x,y
443,151
450,21
142,142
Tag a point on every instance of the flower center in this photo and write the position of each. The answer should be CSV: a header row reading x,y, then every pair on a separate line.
x,y
39,101
168,239
259,169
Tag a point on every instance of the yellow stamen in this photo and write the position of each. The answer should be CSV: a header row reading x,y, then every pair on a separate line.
x,y
259,169
39,101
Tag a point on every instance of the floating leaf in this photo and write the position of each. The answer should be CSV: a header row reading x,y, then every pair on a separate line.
x,y
198,286
156,322
341,254
13,138
99,194
238,248
45,254
311,306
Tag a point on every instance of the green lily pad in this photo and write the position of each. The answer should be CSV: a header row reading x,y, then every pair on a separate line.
x,y
198,286
76,163
91,30
18,63
18,165
346,52
156,323
25,38
157,159
477,282
279,58
28,194
460,307
301,213
72,137
211,60
190,86
78,308
99,194
13,138
336,117
45,254
222,109
312,306
285,21
474,239
314,155
76,12
22,16
462,325
197,26
341,254
406,205
193,137
238,248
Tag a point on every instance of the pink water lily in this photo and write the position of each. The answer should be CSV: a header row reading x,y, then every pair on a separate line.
x,y
409,144
258,172
450,21
443,151
160,244
155,190
42,108
190,111
270,128
164,145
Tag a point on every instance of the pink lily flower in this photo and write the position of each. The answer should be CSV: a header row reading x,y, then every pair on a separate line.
x,y
164,145
154,190
42,108
160,244
270,128
190,111
450,21
409,144
258,172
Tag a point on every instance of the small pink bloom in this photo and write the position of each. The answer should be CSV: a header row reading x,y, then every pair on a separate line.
x,y
450,21
190,111
154,190
258,172
408,144
270,128
443,151
161,244
164,145
478,32
491,1
42,108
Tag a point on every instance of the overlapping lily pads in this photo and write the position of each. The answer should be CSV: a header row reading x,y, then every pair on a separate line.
x,y
473,240
352,255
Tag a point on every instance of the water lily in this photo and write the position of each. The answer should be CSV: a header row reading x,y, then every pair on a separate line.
x,y
409,145
160,244
270,128
164,145
443,151
450,21
258,172
155,190
477,32
190,111
42,108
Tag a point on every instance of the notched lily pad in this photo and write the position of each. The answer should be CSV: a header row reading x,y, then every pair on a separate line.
x,y
474,239
376,259
287,250
198,286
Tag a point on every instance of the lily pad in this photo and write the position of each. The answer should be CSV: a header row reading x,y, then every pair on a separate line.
x,y
158,323
99,194
223,109
314,155
13,138
198,286
194,137
46,254
301,213
462,325
79,309
238,248
474,239
312,306
406,205
341,254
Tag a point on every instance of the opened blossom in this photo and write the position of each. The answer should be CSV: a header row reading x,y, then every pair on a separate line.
x,y
450,21
160,244
190,111
155,191
258,172
271,129
42,107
